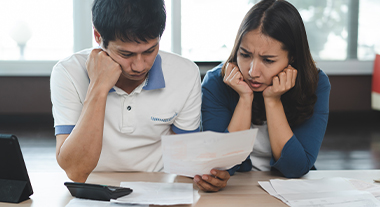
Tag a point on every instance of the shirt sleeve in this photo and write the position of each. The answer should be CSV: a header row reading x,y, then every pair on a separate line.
x,y
66,102
300,152
188,119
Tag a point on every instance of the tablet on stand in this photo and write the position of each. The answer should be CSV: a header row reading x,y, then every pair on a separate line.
x,y
15,185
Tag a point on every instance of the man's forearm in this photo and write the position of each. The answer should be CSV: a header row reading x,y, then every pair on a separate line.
x,y
79,153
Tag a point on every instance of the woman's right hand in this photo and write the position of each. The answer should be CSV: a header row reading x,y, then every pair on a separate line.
x,y
235,80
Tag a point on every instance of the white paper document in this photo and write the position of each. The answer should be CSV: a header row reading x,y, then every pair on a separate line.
x,y
79,202
356,199
157,193
326,192
197,153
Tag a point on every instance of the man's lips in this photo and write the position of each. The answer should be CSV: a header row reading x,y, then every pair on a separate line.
x,y
138,75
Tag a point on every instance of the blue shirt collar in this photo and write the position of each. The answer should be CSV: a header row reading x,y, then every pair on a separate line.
x,y
155,78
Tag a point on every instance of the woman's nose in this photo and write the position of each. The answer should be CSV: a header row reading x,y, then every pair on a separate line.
x,y
254,70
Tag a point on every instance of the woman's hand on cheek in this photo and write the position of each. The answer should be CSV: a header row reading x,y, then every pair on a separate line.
x,y
282,83
235,79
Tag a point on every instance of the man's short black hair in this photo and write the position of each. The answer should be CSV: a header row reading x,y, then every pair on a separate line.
x,y
129,20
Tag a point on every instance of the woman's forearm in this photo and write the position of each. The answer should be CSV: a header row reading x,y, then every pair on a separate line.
x,y
241,119
278,126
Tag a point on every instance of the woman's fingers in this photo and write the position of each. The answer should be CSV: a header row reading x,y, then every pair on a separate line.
x,y
289,79
294,77
235,79
232,74
276,83
283,82
230,68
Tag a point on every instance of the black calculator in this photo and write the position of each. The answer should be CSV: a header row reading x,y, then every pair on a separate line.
x,y
96,191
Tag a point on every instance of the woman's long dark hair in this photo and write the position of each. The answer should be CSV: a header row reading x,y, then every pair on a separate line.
x,y
281,21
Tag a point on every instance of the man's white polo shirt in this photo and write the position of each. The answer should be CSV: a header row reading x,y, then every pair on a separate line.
x,y
169,98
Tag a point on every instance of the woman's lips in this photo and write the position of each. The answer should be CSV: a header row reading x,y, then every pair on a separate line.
x,y
255,84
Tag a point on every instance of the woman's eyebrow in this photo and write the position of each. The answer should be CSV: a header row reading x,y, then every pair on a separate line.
x,y
244,50
268,56
262,56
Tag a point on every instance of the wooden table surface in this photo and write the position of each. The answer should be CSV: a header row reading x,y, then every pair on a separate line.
x,y
242,189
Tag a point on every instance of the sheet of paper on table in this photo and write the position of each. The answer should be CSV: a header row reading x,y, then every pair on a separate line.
x,y
329,192
157,193
197,153
79,202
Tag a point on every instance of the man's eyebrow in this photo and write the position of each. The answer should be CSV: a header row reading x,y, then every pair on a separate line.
x,y
126,51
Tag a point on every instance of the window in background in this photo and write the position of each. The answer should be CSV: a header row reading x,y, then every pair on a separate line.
x,y
336,29
326,26
341,29
43,29
209,27
165,42
369,29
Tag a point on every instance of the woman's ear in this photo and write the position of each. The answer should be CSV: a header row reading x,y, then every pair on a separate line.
x,y
291,60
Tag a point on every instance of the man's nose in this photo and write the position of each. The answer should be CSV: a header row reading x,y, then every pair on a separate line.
x,y
138,64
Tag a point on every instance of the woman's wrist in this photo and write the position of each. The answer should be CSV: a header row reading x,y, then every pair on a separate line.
x,y
247,98
272,102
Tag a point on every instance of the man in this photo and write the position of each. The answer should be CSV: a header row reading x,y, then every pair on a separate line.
x,y
112,104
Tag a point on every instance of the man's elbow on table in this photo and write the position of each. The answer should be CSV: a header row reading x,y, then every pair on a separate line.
x,y
77,176
74,173
77,169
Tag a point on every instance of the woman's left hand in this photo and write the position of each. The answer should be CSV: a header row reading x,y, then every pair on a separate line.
x,y
214,182
282,83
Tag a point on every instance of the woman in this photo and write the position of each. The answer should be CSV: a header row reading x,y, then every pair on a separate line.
x,y
269,82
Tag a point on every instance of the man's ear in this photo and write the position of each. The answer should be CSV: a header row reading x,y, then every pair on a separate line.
x,y
97,36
